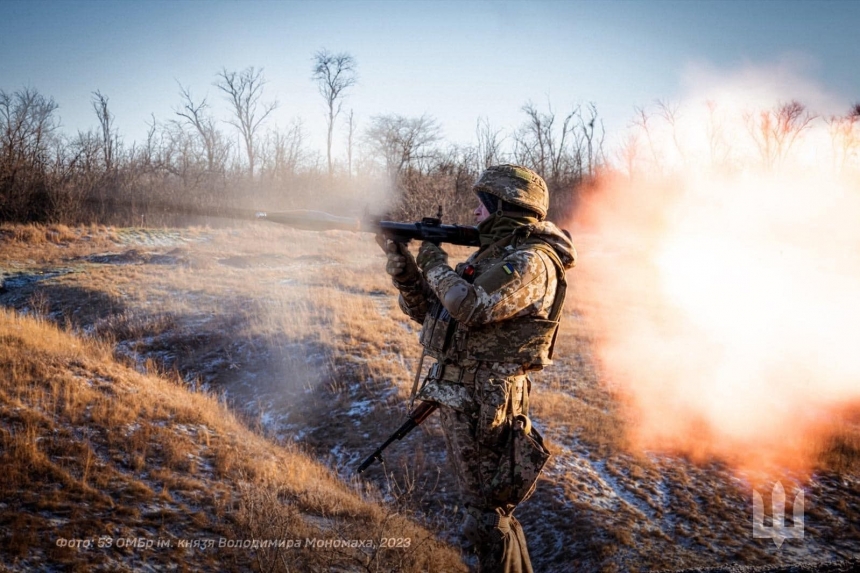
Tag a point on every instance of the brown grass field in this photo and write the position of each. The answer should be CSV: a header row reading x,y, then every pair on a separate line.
x,y
182,386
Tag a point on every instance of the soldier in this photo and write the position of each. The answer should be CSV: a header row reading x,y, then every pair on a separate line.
x,y
488,323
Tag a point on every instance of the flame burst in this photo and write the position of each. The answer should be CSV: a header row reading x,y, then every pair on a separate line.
x,y
724,269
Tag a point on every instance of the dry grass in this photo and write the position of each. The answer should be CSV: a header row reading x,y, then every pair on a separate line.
x,y
42,242
298,329
134,452
32,235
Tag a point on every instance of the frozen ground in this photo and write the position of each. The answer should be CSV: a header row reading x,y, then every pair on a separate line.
x,y
594,510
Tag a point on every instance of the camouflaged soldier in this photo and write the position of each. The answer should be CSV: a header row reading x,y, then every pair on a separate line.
x,y
488,323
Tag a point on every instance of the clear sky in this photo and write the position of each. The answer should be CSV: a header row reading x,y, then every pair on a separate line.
x,y
456,61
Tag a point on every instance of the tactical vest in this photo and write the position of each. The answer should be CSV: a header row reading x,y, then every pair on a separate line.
x,y
523,340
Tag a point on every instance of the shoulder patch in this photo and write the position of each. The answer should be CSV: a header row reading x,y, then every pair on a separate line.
x,y
508,268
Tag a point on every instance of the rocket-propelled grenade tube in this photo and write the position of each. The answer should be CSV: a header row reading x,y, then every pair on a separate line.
x,y
427,229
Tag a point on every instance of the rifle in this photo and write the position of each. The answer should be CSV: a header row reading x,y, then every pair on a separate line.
x,y
418,415
427,229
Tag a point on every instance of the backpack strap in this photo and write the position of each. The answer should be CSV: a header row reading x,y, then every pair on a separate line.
x,y
561,285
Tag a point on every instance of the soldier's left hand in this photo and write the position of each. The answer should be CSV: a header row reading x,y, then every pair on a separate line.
x,y
431,256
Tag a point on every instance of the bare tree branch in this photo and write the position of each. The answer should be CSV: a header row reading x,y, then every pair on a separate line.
x,y
244,90
214,145
334,74
110,140
776,131
489,144
400,141
350,138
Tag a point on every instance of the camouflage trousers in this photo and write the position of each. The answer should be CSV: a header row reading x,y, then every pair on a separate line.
x,y
478,410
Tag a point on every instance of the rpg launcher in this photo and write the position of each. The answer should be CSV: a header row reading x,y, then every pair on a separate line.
x,y
418,415
427,229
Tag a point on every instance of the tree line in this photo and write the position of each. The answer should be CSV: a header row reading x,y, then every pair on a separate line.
x,y
194,162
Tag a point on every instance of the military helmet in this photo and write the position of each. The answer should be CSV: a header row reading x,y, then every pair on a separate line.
x,y
516,185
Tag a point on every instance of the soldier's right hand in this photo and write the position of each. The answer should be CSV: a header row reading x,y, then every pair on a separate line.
x,y
400,264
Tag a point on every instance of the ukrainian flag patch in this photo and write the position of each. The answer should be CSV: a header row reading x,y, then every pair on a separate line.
x,y
509,268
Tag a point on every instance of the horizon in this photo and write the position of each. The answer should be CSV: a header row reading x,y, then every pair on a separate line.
x,y
620,56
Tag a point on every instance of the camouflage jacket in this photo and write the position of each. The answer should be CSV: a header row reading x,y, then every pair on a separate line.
x,y
502,312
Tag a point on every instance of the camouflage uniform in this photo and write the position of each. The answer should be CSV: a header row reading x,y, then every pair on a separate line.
x,y
488,323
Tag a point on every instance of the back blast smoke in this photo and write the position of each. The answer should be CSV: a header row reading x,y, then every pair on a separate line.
x,y
722,266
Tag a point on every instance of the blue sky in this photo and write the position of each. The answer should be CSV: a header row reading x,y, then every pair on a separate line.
x,y
456,61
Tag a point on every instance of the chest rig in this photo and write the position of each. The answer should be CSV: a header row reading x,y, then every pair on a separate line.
x,y
526,340
437,332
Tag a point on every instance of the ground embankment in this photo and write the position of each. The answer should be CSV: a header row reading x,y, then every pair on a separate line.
x,y
275,350
106,468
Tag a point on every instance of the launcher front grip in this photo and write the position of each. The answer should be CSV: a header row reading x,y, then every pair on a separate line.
x,y
416,417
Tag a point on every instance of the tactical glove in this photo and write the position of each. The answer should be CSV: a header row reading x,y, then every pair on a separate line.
x,y
431,256
401,264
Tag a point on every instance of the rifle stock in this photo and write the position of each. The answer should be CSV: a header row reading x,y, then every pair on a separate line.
x,y
418,415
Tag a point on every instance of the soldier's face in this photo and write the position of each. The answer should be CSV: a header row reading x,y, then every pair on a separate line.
x,y
480,212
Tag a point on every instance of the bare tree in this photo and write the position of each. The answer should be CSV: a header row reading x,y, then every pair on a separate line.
x,y
180,157
334,74
594,134
628,153
563,152
150,156
27,125
845,137
442,178
554,151
720,150
197,117
27,122
669,112
244,90
109,136
401,141
284,152
489,144
350,137
775,131
642,121
539,144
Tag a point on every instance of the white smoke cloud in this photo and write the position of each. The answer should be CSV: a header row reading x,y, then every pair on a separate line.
x,y
728,284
